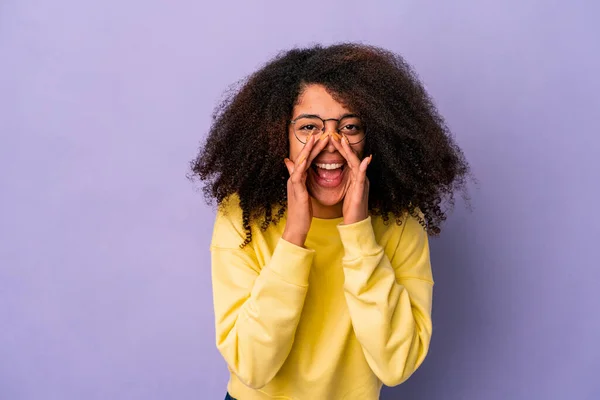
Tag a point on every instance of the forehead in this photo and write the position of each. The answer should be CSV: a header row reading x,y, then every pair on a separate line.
x,y
316,100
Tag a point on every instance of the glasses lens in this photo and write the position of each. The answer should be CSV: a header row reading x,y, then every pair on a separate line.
x,y
352,128
304,127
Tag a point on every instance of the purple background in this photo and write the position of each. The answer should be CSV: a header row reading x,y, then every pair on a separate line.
x,y
104,262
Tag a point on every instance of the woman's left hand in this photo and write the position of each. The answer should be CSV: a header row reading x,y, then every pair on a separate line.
x,y
356,201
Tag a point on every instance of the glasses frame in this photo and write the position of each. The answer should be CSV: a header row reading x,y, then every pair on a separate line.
x,y
337,129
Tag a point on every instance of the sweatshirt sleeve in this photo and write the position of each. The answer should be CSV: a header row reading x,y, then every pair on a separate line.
x,y
257,307
389,298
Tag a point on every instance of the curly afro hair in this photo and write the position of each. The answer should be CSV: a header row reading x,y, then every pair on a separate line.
x,y
416,167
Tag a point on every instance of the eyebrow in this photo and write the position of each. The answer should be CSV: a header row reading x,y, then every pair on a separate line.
x,y
347,115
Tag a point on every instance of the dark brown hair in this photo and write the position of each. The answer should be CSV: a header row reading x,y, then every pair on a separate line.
x,y
416,165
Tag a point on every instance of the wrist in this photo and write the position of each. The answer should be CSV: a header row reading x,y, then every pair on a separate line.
x,y
294,238
354,219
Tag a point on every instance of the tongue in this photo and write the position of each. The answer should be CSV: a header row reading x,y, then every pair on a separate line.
x,y
329,174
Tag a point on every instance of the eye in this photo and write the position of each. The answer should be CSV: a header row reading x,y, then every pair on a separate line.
x,y
351,129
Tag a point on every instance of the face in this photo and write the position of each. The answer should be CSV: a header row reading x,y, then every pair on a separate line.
x,y
328,178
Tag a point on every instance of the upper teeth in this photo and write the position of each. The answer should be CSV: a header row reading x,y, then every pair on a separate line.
x,y
330,166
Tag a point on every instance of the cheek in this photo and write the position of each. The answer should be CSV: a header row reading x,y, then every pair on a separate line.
x,y
360,150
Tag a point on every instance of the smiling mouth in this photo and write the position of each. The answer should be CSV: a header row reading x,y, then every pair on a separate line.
x,y
329,174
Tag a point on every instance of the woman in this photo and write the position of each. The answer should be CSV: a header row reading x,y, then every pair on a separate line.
x,y
330,166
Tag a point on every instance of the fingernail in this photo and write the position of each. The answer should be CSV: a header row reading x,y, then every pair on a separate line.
x,y
370,159
302,160
336,136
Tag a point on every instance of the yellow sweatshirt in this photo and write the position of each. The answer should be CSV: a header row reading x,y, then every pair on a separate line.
x,y
333,320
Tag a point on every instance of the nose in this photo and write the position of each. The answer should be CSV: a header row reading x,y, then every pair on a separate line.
x,y
330,127
330,130
329,147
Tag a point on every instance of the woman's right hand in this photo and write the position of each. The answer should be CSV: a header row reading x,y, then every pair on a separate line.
x,y
299,206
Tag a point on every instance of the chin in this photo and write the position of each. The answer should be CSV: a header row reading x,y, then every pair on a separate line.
x,y
328,200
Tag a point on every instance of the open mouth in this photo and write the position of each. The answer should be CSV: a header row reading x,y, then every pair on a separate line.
x,y
328,174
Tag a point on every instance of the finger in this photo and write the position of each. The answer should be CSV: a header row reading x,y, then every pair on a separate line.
x,y
290,190
349,149
289,164
315,147
320,144
298,175
298,172
298,180
338,145
344,149
310,142
363,168
364,164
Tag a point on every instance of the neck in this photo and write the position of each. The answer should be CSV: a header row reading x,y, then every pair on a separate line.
x,y
326,212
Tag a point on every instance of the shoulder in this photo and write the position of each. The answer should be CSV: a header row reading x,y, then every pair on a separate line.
x,y
400,234
406,245
406,225
230,207
228,230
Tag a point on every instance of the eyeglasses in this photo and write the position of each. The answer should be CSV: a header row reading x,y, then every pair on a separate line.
x,y
349,126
